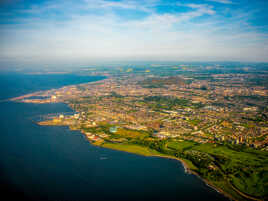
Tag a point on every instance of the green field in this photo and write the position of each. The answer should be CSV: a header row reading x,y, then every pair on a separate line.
x,y
145,151
180,146
247,169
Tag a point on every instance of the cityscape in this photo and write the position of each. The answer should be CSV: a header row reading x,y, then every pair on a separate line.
x,y
216,122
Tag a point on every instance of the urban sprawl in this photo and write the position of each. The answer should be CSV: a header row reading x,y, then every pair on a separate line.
x,y
217,123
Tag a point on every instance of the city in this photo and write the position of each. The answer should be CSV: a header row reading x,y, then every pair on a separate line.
x,y
216,123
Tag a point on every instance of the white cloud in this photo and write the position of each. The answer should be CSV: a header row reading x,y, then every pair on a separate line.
x,y
222,1
168,36
142,5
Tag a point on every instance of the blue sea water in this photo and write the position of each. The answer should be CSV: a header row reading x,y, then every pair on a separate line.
x,y
54,163
16,84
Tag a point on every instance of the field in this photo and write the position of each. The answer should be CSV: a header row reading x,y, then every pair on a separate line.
x,y
179,146
132,149
246,169
128,133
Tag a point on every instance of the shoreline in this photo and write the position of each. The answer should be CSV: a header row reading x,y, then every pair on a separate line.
x,y
187,168
189,171
21,97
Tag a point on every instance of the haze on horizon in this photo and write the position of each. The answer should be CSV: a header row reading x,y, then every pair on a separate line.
x,y
49,32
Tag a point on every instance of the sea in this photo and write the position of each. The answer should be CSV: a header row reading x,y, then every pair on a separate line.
x,y
56,164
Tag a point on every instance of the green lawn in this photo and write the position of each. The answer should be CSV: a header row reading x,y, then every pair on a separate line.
x,y
145,151
180,146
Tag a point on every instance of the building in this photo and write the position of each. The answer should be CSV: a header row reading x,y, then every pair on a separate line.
x,y
113,129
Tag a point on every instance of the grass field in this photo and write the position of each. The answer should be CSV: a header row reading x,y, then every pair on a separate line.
x,y
128,133
180,146
145,151
247,169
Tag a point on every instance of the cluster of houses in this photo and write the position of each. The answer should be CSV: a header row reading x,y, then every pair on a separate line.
x,y
121,101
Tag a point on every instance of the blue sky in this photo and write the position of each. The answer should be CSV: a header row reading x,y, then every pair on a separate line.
x,y
38,32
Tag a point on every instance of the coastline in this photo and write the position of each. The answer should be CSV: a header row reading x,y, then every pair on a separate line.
x,y
186,166
187,170
190,171
37,92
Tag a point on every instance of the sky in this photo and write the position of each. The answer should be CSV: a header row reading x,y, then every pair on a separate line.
x,y
77,32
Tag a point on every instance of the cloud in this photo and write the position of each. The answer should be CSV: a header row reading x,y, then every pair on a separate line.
x,y
124,4
222,1
200,8
95,30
